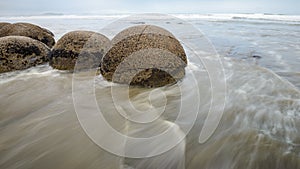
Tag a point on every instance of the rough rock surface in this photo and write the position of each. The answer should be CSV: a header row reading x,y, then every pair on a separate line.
x,y
28,30
20,52
2,24
83,48
144,55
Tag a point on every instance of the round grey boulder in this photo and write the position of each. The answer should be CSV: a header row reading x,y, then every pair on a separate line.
x,y
28,30
81,48
20,52
144,55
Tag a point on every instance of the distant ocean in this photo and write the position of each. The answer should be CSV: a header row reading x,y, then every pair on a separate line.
x,y
260,127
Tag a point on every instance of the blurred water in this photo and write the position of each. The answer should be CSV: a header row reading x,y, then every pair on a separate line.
x,y
260,127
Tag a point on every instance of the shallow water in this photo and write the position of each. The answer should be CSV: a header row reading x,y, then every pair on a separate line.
x,y
260,126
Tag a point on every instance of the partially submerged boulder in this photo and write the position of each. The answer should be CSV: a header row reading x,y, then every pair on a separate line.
x,y
144,55
28,30
81,48
20,52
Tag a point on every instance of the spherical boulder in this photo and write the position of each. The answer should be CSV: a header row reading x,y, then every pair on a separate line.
x,y
144,55
28,30
81,48
20,52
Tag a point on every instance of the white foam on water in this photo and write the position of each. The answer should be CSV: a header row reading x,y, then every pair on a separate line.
x,y
291,18
34,17
37,71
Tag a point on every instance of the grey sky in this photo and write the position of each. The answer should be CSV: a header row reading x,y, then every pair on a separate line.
x,y
16,7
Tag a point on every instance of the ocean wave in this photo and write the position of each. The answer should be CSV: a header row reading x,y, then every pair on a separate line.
x,y
289,18
33,17
217,17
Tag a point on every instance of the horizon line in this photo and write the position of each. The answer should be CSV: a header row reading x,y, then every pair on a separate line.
x,y
128,13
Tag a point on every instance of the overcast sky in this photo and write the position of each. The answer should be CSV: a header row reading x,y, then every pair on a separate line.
x,y
28,7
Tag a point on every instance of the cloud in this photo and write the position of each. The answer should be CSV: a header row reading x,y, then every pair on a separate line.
x,y
164,6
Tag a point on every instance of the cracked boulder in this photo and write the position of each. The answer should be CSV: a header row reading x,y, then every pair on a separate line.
x,y
144,55
20,52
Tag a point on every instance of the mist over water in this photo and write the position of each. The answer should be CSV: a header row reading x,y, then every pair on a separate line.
x,y
260,126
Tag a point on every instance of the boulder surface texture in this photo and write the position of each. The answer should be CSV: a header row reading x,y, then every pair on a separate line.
x,y
144,55
20,52
81,48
